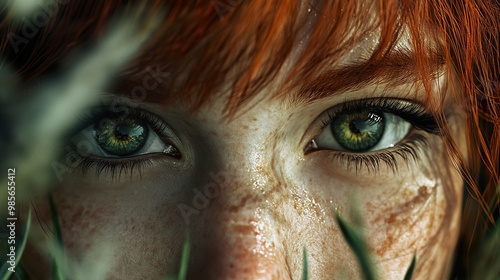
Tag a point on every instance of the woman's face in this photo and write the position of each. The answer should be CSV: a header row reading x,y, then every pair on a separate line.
x,y
254,190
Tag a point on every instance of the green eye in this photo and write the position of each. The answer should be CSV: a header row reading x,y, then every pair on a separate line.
x,y
359,131
121,137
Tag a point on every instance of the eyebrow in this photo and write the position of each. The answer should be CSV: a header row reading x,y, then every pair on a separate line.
x,y
397,68
156,91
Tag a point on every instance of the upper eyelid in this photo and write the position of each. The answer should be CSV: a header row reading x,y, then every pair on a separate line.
x,y
98,112
385,104
324,118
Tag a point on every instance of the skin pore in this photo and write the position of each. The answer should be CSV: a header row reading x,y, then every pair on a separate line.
x,y
268,196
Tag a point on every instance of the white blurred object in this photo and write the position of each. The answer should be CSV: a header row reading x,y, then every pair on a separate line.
x,y
23,8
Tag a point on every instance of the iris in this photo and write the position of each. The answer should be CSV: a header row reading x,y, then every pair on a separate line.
x,y
121,137
358,131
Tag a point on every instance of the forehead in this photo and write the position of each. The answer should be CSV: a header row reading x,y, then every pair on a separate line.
x,y
292,45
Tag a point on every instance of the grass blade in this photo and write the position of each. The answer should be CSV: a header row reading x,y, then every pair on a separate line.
x,y
56,264
55,220
184,259
355,240
184,262
305,270
411,268
21,273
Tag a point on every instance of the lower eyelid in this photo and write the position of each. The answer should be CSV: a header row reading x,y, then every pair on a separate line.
x,y
117,167
405,152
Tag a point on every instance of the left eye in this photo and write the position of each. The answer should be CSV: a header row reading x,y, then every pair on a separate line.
x,y
121,137
111,135
363,130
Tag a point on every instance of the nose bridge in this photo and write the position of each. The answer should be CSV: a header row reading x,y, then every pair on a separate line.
x,y
249,184
240,230
241,156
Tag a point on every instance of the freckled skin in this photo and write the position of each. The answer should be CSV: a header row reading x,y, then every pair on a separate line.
x,y
271,200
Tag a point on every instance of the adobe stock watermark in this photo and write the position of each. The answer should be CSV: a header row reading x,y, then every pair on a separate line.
x,y
86,144
31,26
201,198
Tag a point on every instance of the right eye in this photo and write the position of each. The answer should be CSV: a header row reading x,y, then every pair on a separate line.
x,y
363,131
125,134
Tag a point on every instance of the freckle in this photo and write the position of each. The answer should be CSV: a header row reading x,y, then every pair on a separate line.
x,y
423,191
240,205
317,212
395,218
323,245
244,229
392,218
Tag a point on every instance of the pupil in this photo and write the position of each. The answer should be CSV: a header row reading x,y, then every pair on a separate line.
x,y
122,132
358,131
121,137
356,126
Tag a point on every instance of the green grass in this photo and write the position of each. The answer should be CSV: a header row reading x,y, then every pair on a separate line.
x,y
305,265
356,241
57,262
353,235
355,238
184,261
411,268
21,273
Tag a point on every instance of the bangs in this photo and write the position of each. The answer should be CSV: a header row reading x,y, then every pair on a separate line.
x,y
235,48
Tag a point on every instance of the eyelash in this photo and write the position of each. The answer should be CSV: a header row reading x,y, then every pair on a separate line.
x,y
116,168
417,115
414,113
98,113
121,165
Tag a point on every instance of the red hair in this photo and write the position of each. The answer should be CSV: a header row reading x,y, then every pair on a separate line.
x,y
200,42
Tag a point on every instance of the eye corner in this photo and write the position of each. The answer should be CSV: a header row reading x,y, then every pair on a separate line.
x,y
310,147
